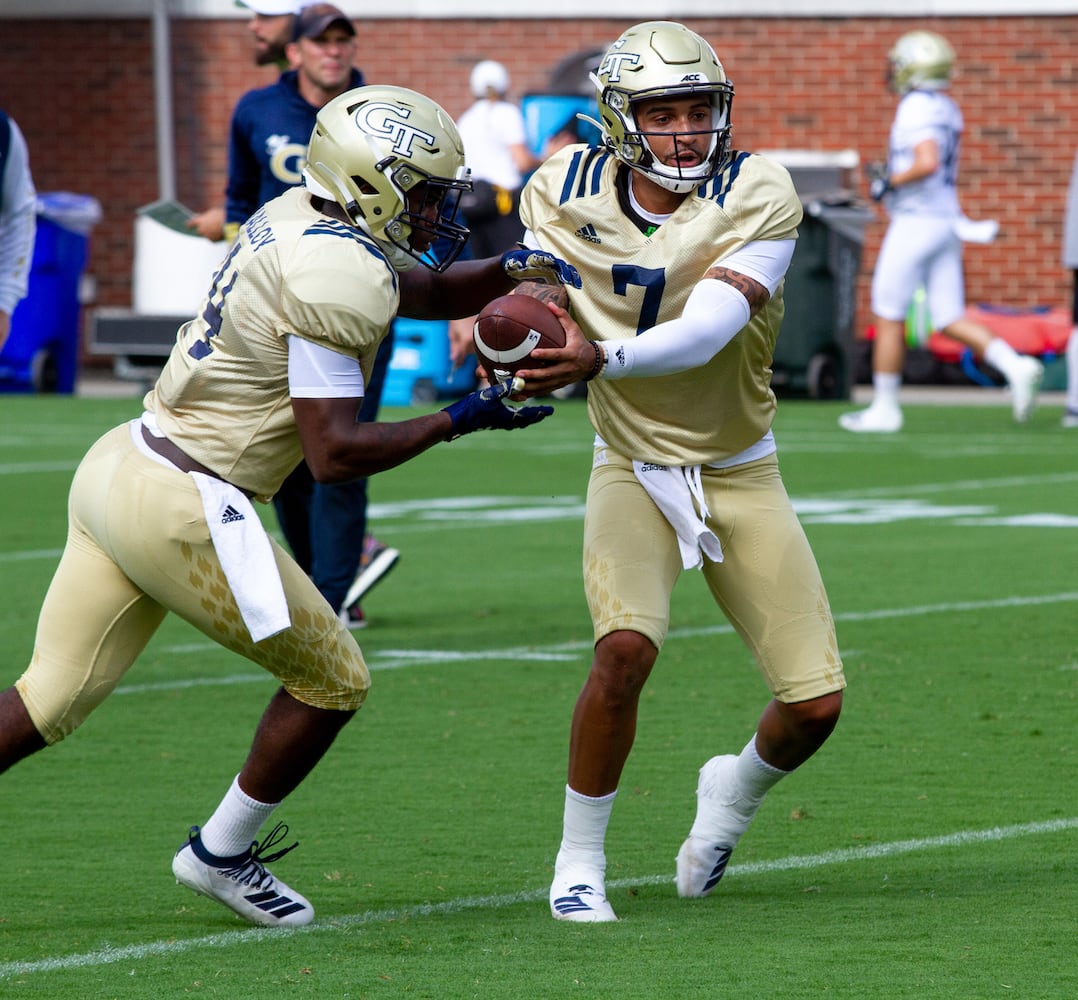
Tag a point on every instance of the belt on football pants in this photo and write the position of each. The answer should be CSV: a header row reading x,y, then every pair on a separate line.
x,y
179,458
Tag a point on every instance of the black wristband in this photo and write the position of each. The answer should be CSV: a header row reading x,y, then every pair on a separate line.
x,y
600,358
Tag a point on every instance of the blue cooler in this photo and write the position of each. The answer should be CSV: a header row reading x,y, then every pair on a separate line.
x,y
419,364
545,114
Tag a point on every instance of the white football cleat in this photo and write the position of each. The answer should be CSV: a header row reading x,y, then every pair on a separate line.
x,y
580,896
242,883
1025,385
722,816
1070,418
875,420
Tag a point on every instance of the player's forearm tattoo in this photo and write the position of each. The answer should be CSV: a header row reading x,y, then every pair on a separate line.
x,y
756,294
544,293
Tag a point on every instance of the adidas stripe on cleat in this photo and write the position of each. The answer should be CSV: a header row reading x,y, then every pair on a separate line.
x,y
700,866
581,901
243,883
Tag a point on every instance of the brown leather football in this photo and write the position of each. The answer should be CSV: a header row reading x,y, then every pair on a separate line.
x,y
509,329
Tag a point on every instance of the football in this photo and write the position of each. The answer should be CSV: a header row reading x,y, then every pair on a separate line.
x,y
509,329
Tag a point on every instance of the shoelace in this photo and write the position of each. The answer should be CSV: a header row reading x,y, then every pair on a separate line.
x,y
252,870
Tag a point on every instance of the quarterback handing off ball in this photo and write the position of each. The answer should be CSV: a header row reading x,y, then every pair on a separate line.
x,y
509,329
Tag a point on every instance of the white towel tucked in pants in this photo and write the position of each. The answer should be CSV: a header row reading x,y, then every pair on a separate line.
x,y
679,493
243,547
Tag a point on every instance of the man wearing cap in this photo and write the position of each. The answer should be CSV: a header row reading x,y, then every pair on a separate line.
x,y
272,125
323,524
271,28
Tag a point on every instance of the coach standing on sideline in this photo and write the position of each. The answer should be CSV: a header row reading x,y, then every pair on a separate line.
x,y
271,28
324,524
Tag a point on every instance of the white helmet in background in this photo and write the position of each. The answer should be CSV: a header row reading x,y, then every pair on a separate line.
x,y
921,60
661,59
371,147
489,75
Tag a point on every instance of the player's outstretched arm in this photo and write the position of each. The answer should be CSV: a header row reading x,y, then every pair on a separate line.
x,y
468,285
339,449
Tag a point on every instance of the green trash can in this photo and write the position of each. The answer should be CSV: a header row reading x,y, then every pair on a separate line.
x,y
814,351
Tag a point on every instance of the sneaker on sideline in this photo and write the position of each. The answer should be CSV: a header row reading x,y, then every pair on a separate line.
x,y
580,896
702,860
242,883
377,560
1024,388
874,420
353,617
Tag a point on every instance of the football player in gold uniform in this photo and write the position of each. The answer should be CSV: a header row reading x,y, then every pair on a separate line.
x,y
682,245
272,368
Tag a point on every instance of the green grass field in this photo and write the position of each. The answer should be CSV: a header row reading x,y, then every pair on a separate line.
x,y
929,850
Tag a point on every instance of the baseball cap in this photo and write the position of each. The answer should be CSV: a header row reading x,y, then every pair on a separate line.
x,y
311,21
489,75
271,8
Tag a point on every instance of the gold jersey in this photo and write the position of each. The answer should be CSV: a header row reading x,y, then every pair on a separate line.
x,y
632,282
223,395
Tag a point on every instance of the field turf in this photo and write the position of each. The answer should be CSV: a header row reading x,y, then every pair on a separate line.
x,y
929,850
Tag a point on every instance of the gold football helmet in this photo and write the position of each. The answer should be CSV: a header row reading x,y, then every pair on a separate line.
x,y
370,148
921,60
661,59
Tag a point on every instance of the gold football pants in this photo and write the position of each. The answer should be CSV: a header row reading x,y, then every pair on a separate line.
x,y
137,547
768,585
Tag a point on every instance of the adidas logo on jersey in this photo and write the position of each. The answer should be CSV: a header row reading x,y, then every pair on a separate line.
x,y
231,514
587,232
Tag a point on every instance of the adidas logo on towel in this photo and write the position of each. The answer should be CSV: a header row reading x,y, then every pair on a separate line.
x,y
587,232
231,514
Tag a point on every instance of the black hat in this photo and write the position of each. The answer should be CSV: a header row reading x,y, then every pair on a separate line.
x,y
311,21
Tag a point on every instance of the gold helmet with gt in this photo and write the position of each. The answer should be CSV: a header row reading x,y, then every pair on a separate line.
x,y
921,60
659,59
371,149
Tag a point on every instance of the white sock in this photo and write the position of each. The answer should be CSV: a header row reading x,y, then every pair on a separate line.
x,y
755,777
584,831
885,386
1001,356
235,824
1072,371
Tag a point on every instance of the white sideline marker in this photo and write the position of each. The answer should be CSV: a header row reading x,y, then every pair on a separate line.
x,y
256,935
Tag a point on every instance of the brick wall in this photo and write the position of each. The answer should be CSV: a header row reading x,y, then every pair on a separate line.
x,y
83,93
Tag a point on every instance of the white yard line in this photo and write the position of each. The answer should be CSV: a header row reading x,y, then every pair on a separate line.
x,y
256,935
398,659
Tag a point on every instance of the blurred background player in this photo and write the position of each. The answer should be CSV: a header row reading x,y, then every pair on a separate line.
x,y
923,243
272,368
270,26
18,220
1070,260
685,244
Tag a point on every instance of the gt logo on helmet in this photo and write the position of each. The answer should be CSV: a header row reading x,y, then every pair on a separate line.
x,y
611,67
390,121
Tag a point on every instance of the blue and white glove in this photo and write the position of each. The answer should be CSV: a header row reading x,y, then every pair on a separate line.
x,y
878,187
878,181
484,410
538,265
